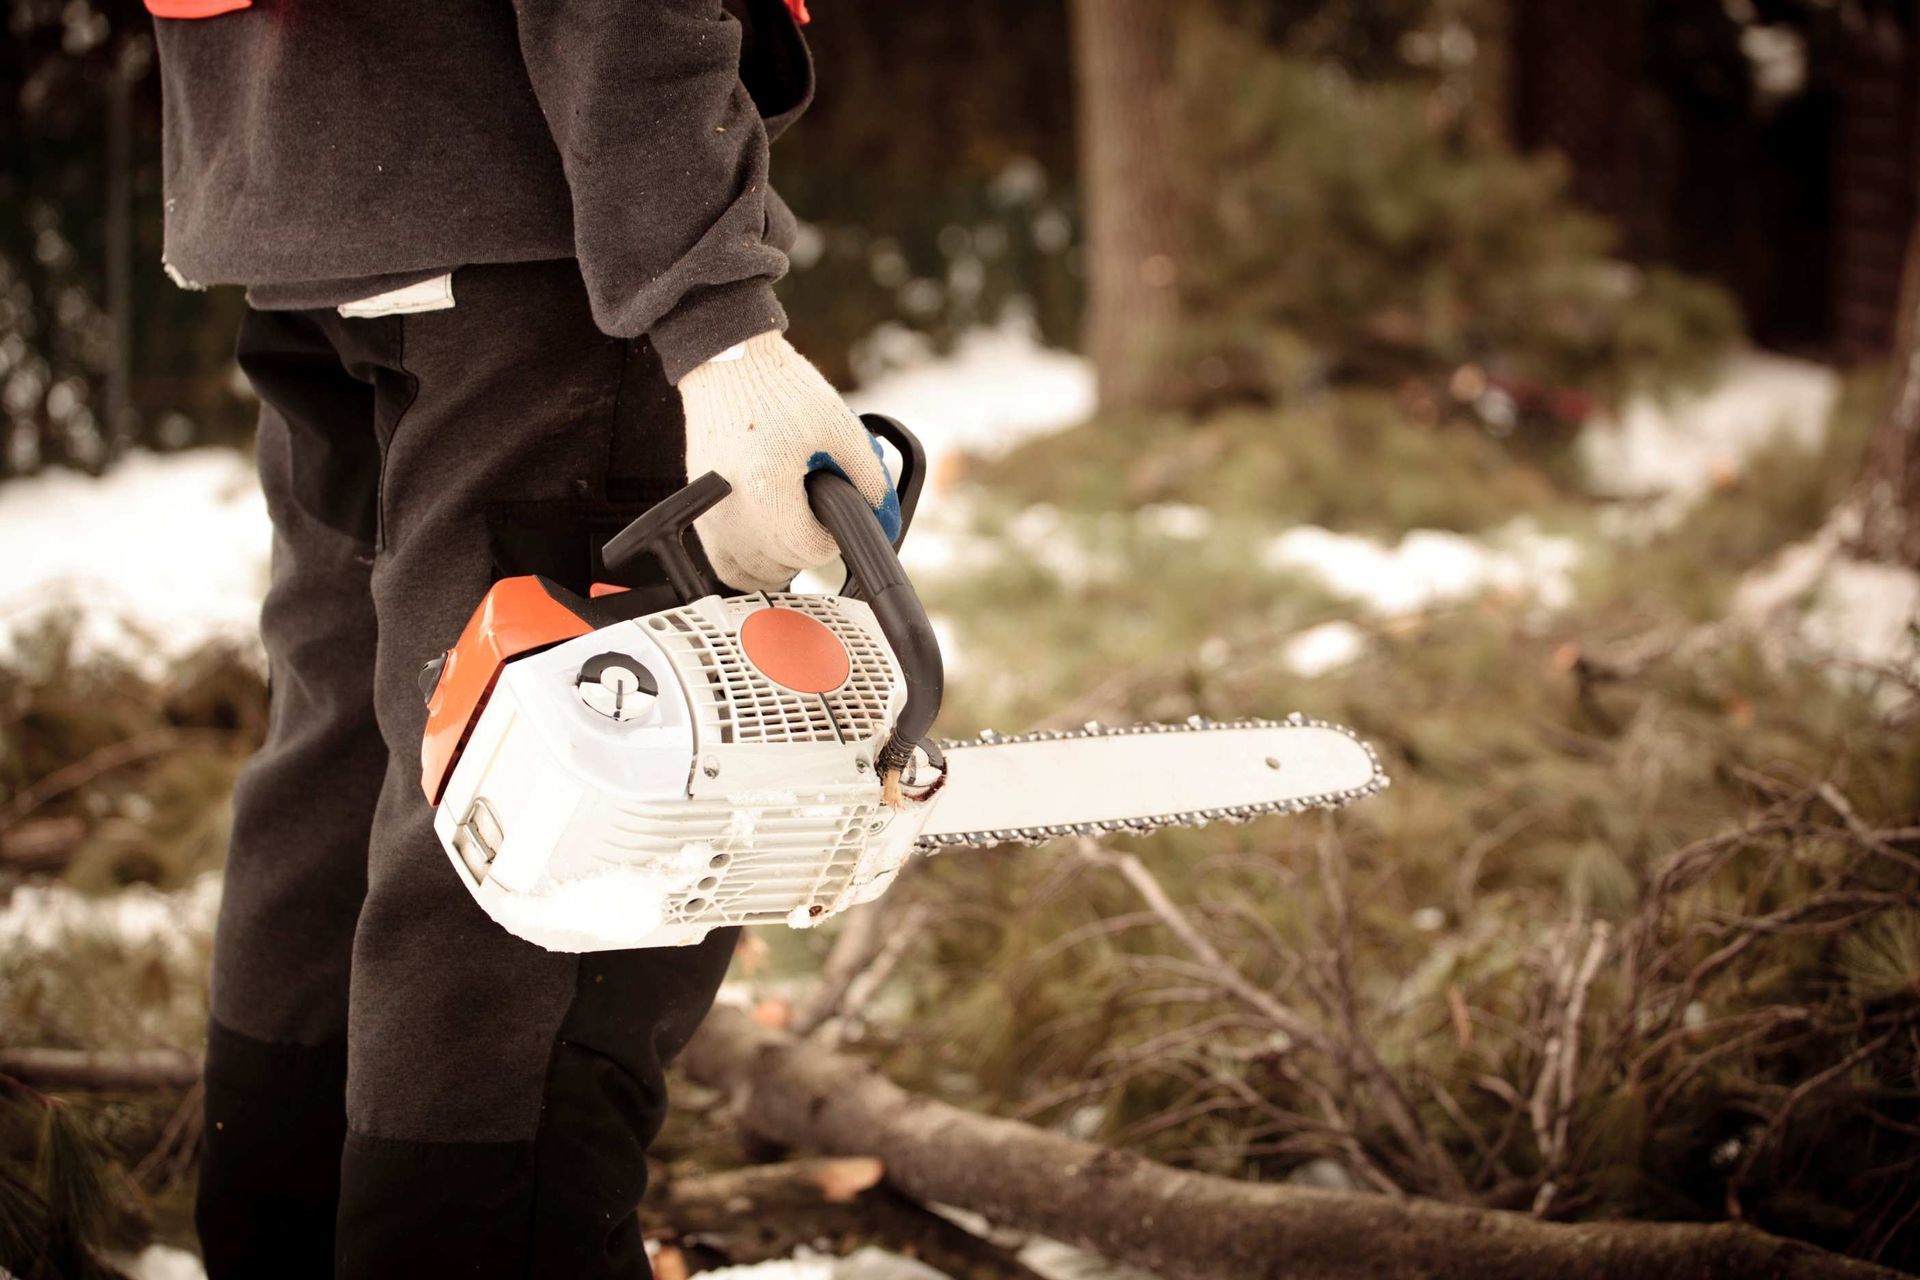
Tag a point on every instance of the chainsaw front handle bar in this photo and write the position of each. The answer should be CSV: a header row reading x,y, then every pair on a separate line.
x,y
873,571
874,567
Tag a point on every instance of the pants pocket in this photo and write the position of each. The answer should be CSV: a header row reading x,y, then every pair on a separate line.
x,y
561,539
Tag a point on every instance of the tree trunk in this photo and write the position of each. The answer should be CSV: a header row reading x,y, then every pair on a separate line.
x,y
1190,1225
1130,178
1890,486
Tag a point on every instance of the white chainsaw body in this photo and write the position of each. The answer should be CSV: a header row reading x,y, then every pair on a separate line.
x,y
729,800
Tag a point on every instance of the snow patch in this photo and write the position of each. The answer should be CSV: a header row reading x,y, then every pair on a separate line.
x,y
867,1263
996,388
1857,611
1180,521
52,918
1322,649
581,912
164,1262
1429,567
1686,444
159,556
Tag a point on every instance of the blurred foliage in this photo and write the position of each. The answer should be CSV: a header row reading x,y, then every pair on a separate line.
x,y
1365,230
114,788
54,1201
116,777
58,66
934,174
1320,462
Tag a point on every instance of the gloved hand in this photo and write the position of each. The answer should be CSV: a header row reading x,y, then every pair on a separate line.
x,y
763,420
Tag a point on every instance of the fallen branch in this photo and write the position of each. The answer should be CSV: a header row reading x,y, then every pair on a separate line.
x,y
114,756
1353,1050
853,949
1191,1225
107,1070
769,1211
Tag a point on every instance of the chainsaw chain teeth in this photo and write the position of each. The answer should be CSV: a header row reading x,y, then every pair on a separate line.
x,y
1142,826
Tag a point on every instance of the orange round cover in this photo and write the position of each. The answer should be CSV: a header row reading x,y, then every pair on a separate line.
x,y
194,8
795,651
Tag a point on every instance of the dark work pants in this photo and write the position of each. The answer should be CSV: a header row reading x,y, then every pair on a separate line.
x,y
396,1086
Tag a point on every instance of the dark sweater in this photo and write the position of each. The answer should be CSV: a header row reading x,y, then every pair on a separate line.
x,y
327,150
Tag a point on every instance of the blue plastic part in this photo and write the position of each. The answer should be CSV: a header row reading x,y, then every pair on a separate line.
x,y
888,512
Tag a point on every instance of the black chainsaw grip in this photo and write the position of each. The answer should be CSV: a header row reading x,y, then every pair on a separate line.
x,y
872,563
660,532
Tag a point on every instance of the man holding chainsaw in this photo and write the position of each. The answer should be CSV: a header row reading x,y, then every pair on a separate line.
x,y
509,267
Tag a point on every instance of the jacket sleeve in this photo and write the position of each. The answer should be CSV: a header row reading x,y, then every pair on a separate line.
x,y
666,161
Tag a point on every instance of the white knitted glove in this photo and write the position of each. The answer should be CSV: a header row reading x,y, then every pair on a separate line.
x,y
763,420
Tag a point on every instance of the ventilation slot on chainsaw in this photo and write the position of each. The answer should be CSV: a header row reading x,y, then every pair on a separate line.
x,y
745,706
768,865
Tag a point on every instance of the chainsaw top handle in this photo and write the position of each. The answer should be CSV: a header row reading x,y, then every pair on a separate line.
x,y
873,570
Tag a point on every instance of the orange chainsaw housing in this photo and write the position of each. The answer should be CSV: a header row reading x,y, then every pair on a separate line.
x,y
518,616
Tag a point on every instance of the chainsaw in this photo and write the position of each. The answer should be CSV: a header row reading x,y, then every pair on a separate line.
x,y
640,765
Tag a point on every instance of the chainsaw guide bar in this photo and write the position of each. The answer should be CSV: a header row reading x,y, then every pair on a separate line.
x,y
1302,764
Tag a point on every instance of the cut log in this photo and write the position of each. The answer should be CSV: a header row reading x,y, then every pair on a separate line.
x,y
1190,1225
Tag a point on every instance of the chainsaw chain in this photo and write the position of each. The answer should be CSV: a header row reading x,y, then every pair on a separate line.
x,y
1140,826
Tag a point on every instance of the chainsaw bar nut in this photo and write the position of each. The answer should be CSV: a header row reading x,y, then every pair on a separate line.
x,y
617,686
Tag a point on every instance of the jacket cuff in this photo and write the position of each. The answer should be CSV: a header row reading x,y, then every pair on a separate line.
x,y
711,320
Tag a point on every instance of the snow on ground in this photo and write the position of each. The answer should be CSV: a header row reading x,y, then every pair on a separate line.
x,y
163,1262
1684,445
167,552
866,1263
1865,615
996,388
51,918
1429,567
160,555
1319,650
1426,568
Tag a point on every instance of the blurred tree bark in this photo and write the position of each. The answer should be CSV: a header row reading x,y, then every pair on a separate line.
x,y
1890,486
1129,145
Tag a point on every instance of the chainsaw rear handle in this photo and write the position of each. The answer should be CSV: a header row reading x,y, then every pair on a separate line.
x,y
873,568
